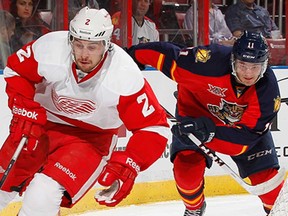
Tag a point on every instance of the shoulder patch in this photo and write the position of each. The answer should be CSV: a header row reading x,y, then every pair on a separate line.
x,y
202,55
277,104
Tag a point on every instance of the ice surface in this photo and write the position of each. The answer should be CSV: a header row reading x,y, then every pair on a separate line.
x,y
236,205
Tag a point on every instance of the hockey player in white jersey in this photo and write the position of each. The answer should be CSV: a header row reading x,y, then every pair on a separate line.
x,y
143,28
69,92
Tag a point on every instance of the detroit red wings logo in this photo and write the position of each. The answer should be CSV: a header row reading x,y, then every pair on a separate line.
x,y
72,106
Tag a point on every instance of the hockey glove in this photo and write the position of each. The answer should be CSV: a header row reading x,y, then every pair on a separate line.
x,y
28,119
203,128
118,175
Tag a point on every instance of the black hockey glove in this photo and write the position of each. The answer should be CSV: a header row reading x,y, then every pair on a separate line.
x,y
203,128
183,138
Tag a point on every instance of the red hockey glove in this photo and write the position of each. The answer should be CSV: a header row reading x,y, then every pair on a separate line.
x,y
203,128
26,164
118,175
28,119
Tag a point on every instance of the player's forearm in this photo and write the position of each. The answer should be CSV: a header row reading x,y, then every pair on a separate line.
x,y
238,134
146,147
19,86
233,141
159,55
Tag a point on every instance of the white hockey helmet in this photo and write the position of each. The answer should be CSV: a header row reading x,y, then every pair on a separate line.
x,y
92,25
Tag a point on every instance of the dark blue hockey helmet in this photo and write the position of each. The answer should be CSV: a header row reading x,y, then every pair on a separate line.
x,y
251,47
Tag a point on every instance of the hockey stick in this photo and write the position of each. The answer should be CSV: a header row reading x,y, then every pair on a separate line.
x,y
13,160
259,189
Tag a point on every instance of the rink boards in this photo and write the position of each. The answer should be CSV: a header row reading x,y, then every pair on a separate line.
x,y
156,183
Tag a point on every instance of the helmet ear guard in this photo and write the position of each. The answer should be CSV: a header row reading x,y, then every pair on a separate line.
x,y
250,47
70,38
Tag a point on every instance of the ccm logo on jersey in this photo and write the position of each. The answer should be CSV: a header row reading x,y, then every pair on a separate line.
x,y
131,163
259,154
66,171
24,112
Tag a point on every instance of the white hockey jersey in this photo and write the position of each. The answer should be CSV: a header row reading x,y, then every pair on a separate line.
x,y
140,34
116,93
146,33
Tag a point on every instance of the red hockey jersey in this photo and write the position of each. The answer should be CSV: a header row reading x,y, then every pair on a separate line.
x,y
206,87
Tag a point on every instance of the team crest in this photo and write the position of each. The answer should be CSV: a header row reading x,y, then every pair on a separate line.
x,y
277,104
73,106
202,55
228,113
116,19
143,40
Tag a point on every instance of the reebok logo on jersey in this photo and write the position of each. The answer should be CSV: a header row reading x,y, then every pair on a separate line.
x,y
133,164
66,171
23,112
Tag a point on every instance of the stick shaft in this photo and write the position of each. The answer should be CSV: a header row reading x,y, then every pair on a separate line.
x,y
259,189
13,160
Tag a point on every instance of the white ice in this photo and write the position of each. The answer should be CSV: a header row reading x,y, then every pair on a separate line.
x,y
236,205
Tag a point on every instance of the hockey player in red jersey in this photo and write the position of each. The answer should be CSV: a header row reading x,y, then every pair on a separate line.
x,y
69,92
229,93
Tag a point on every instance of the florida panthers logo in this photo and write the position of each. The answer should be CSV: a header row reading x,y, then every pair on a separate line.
x,y
72,106
143,40
202,55
277,104
228,113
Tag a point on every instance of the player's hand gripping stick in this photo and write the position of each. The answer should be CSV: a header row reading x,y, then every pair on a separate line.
x,y
118,176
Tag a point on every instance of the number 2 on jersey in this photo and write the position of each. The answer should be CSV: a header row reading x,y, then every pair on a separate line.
x,y
147,109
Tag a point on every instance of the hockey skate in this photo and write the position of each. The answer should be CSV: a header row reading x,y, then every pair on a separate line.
x,y
267,210
197,212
